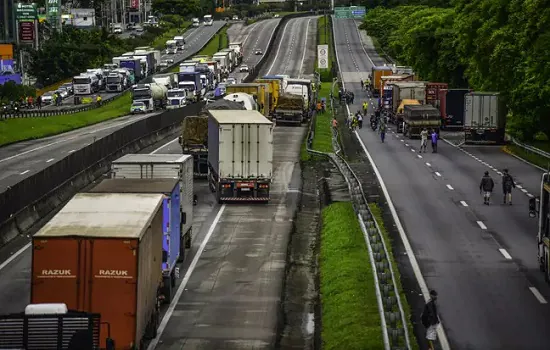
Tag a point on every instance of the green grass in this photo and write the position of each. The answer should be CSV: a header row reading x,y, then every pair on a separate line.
x,y
377,213
322,141
324,37
160,42
20,129
534,158
349,308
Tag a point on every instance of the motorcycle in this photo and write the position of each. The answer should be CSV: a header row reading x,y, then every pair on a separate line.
x,y
373,125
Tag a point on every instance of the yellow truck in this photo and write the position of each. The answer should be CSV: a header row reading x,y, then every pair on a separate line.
x,y
260,92
376,78
201,58
274,90
397,118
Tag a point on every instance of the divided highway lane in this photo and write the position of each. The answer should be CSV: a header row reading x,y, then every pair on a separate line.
x,y
254,36
194,37
295,51
481,260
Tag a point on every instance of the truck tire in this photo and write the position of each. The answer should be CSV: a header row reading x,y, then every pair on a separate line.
x,y
188,237
167,289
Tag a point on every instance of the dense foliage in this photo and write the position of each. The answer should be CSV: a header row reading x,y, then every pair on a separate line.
x,y
488,45
13,92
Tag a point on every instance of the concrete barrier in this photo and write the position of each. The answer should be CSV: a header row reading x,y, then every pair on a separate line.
x,y
32,199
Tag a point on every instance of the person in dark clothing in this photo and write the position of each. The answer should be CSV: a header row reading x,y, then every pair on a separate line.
x,y
362,85
434,141
486,186
430,319
507,185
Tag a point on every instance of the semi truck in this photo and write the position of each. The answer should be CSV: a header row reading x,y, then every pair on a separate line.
x,y
432,93
240,155
163,166
259,91
171,222
397,117
539,207
66,329
246,100
84,86
224,62
377,72
166,79
304,88
233,56
274,90
484,118
194,142
178,98
116,82
180,42
451,107
290,109
133,64
237,47
388,79
100,254
192,82
418,117
152,95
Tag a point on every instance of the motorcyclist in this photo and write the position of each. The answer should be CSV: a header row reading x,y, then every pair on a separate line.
x,y
365,107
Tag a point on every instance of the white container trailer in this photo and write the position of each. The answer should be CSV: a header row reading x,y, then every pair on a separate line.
x,y
163,166
240,155
484,118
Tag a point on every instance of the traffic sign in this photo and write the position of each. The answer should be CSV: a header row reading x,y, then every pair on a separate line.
x,y
26,12
26,31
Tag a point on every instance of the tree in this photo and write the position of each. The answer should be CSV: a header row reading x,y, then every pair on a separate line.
x,y
184,8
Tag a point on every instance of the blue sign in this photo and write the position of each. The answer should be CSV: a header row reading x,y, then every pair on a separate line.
x,y
6,66
16,78
358,12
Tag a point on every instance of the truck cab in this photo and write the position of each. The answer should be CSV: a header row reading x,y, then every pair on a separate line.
x,y
178,98
180,42
196,22
116,82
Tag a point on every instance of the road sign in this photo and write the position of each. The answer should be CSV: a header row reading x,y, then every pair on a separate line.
x,y
26,12
53,12
26,31
322,56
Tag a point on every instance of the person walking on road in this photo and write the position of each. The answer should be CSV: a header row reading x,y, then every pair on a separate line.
x,y
507,185
434,141
382,130
486,186
360,121
362,85
430,319
423,140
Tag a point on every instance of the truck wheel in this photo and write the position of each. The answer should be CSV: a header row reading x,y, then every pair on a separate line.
x,y
188,238
173,279
167,289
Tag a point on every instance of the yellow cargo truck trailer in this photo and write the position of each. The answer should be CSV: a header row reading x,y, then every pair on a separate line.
x,y
260,92
274,90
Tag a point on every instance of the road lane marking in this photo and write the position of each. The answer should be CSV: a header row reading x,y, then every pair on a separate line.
x,y
402,140
428,164
505,254
166,144
419,156
530,195
305,50
71,151
437,173
481,225
407,145
464,204
412,150
537,295
50,160
23,173
519,186
14,256
524,190
278,48
450,187
183,284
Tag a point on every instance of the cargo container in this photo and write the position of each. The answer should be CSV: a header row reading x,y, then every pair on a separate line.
x,y
451,108
171,221
409,90
397,117
432,93
240,155
65,329
163,166
304,88
6,51
484,118
417,117
100,253
388,79
275,90
377,72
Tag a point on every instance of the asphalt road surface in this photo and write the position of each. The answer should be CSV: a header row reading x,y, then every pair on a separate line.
x,y
295,50
195,38
481,259
254,36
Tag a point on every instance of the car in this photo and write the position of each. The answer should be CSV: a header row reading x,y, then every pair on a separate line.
x,y
230,81
69,87
172,51
47,97
117,30
169,60
276,15
164,63
62,92
138,29
235,18
243,68
258,52
137,107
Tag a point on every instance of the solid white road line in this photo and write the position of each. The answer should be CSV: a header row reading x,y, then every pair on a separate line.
x,y
505,254
71,151
464,204
166,144
14,256
450,187
437,173
537,295
278,49
183,284
481,225
50,160
305,50
23,173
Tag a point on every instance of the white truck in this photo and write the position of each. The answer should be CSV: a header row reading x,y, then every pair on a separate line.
x,y
245,99
208,20
196,22
163,166
98,72
224,63
84,85
178,98
116,82
180,42
240,155
167,79
237,47
152,95
233,57
484,118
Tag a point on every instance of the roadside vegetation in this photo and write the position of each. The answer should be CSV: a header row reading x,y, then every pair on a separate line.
x,y
324,37
350,318
20,129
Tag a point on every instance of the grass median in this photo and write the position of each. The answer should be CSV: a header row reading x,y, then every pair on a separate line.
x,y
350,316
531,157
21,129
324,37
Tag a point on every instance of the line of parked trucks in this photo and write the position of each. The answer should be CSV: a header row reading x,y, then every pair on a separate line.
x,y
413,105
106,262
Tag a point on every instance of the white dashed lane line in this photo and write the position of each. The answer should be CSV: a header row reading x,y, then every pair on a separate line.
x,y
505,254
437,173
428,164
464,204
450,187
24,172
50,160
537,295
481,225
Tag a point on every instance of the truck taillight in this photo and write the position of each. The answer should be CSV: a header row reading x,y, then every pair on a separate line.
x,y
263,186
226,186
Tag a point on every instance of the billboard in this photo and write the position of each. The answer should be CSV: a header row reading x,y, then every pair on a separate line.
x,y
6,66
26,12
53,12
16,78
26,31
134,4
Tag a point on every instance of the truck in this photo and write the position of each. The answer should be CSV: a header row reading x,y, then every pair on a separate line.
x,y
100,254
163,166
290,109
98,72
149,57
134,65
484,118
240,155
377,72
208,21
224,63
166,79
171,222
84,86
180,42
539,207
178,98
417,117
304,88
237,47
233,57
171,44
397,117
213,66
152,95
116,82
206,76
246,100
192,82
259,91
195,22
451,107
65,329
128,75
283,81
432,93
274,90
407,90
388,79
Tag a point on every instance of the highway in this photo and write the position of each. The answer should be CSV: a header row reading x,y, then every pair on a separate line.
x,y
289,57
195,38
480,259
254,36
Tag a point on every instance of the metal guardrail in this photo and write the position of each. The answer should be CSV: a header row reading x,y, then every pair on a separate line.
x,y
531,149
392,315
